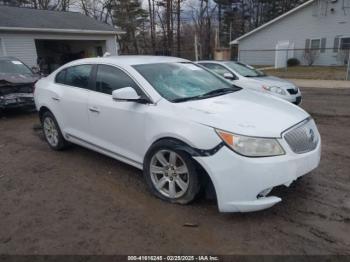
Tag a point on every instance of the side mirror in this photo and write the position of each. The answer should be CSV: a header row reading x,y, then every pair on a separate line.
x,y
36,70
229,76
127,94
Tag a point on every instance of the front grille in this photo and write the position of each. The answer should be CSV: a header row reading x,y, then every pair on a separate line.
x,y
292,91
16,88
297,100
303,137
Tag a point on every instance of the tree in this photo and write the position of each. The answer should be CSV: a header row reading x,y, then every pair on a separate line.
x,y
310,56
98,9
131,18
202,17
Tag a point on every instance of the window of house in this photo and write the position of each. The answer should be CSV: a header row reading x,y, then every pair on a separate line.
x,y
315,43
345,43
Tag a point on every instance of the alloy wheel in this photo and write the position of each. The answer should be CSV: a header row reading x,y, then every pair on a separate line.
x,y
169,174
50,131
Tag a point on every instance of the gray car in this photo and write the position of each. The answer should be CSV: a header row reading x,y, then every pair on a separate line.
x,y
16,84
247,76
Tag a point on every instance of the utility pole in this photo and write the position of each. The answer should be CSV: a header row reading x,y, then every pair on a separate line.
x,y
348,68
195,47
178,28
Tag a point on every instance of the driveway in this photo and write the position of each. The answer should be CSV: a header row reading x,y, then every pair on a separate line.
x,y
81,202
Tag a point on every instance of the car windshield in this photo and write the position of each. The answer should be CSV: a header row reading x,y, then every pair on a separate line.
x,y
179,82
244,70
14,67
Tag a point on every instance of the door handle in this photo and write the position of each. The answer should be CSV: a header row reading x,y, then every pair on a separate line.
x,y
94,109
55,98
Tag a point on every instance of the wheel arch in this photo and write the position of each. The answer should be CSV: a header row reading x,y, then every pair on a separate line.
x,y
42,110
175,143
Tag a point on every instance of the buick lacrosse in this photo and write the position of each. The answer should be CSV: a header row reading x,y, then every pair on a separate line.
x,y
183,125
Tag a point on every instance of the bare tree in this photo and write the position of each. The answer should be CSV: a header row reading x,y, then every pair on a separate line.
x,y
310,56
202,17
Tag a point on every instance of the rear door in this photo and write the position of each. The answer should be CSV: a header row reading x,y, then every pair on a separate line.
x,y
75,84
117,126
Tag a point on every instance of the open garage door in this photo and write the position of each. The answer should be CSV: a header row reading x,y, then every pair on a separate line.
x,y
54,53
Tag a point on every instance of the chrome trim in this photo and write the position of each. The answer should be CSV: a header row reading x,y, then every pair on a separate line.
x,y
104,149
303,137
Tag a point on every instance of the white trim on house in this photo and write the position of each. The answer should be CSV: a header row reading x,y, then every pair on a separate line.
x,y
54,30
236,41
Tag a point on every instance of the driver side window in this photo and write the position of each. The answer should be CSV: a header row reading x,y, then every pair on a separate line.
x,y
219,69
109,78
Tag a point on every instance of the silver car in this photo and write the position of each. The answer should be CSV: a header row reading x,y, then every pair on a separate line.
x,y
248,77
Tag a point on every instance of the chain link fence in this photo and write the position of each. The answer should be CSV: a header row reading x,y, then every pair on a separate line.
x,y
312,63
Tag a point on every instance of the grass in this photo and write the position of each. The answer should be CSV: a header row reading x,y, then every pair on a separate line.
x,y
310,72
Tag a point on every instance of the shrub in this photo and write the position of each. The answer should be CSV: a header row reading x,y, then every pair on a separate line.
x,y
293,62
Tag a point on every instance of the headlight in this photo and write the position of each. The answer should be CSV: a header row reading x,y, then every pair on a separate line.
x,y
274,89
251,146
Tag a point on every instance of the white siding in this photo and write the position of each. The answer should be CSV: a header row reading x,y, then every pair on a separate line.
x,y
22,45
296,28
2,49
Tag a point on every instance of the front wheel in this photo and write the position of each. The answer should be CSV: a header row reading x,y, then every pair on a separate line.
x,y
171,175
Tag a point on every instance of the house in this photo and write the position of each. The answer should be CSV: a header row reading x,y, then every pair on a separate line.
x,y
52,38
318,30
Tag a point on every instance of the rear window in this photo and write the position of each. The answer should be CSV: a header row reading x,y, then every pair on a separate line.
x,y
78,76
60,77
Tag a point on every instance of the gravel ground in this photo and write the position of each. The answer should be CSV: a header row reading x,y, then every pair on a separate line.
x,y
81,202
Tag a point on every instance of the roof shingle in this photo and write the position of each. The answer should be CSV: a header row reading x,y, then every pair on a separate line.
x,y
15,17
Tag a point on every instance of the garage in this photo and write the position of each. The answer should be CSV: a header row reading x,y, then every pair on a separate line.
x,y
48,39
53,53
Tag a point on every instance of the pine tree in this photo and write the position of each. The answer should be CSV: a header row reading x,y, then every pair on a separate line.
x,y
129,16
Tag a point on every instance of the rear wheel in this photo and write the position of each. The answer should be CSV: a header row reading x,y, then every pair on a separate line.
x,y
52,132
171,175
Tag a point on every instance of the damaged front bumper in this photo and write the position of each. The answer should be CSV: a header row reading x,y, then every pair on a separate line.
x,y
242,183
16,100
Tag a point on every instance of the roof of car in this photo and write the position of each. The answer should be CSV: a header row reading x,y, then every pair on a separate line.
x,y
22,18
131,60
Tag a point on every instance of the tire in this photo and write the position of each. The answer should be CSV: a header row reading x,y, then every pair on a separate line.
x,y
173,171
52,132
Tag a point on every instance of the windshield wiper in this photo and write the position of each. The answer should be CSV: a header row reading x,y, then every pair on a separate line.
x,y
216,92
184,99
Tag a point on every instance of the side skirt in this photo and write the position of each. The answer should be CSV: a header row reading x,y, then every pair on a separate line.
x,y
103,151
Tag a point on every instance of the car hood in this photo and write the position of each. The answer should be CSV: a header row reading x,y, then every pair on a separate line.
x,y
244,112
273,81
8,79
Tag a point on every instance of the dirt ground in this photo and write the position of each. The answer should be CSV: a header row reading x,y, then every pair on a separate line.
x,y
81,202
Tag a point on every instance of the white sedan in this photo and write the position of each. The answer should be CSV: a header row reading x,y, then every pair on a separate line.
x,y
247,76
183,125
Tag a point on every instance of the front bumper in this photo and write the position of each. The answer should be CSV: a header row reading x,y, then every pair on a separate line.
x,y
16,100
293,98
238,180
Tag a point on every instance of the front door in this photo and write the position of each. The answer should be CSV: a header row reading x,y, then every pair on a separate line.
x,y
116,126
